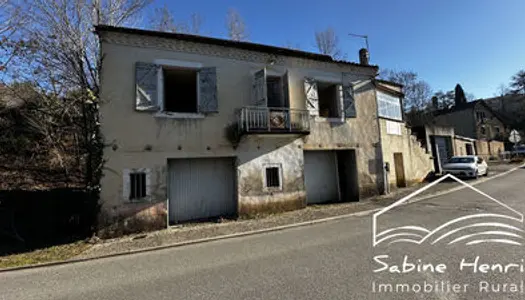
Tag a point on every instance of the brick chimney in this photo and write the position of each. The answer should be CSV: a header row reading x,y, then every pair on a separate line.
x,y
364,57
435,104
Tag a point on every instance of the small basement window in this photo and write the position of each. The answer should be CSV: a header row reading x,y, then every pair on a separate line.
x,y
273,177
329,98
180,90
137,186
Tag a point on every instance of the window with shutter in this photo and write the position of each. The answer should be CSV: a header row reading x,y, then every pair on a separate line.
x,y
146,86
312,96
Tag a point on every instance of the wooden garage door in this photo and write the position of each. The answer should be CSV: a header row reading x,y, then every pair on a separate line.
x,y
320,177
201,188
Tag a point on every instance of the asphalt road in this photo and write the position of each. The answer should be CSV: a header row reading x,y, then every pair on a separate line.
x,y
333,260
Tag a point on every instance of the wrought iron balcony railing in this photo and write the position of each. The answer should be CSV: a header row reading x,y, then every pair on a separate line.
x,y
255,119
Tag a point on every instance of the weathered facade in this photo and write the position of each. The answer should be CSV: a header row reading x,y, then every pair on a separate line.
x,y
199,127
408,160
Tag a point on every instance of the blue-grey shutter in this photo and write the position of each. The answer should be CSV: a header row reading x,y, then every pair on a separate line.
x,y
286,90
348,96
259,92
146,86
312,97
208,102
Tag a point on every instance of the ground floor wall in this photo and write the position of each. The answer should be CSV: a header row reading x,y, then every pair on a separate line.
x,y
409,163
464,147
253,192
489,150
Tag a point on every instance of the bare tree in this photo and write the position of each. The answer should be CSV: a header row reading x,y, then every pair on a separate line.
x,y
162,20
502,90
417,91
327,43
236,26
55,50
195,23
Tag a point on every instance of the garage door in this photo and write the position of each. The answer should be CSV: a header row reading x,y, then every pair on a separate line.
x,y
320,177
201,188
443,149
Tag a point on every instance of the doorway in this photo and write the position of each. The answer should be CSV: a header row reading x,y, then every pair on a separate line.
x,y
399,169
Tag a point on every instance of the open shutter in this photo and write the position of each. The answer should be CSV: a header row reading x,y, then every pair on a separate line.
x,y
348,97
286,90
208,102
146,86
312,97
259,92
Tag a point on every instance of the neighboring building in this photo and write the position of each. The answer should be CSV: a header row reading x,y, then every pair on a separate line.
x,y
474,120
511,108
200,127
408,161
443,143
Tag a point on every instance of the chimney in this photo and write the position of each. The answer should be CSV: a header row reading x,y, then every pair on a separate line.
x,y
364,57
435,104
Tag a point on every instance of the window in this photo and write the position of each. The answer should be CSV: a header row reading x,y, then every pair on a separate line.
x,y
483,130
274,89
137,187
176,88
480,115
136,184
180,90
496,128
389,106
272,177
329,98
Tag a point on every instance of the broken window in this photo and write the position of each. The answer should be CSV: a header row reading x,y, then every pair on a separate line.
x,y
180,90
273,176
137,185
329,100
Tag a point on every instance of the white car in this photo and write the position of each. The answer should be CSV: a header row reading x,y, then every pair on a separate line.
x,y
466,166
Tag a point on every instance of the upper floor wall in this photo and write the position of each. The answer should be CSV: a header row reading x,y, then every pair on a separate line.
x,y
173,94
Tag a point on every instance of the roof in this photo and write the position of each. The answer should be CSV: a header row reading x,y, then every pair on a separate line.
x,y
468,105
227,43
390,82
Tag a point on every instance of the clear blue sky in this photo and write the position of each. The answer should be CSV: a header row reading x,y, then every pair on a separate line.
x,y
477,43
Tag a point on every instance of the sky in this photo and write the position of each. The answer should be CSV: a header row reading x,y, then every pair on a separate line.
x,y
477,43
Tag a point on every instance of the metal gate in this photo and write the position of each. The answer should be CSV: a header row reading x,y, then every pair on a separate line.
x,y
201,188
320,177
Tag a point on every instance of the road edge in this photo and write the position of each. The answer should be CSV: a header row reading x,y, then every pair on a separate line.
x,y
248,233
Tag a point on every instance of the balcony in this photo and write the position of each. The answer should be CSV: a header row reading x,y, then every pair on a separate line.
x,y
274,120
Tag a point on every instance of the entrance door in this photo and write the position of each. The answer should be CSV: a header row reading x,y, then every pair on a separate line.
x,y
399,169
470,150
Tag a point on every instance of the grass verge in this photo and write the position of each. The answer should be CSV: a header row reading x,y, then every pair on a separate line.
x,y
51,254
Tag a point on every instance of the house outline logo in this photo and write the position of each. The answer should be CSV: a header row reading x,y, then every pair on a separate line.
x,y
419,235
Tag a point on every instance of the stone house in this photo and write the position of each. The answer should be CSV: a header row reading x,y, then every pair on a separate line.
x,y
478,121
199,127
408,160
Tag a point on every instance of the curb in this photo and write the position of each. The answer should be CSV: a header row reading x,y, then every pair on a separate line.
x,y
247,233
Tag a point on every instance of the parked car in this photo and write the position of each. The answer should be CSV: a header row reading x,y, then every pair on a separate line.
x,y
466,166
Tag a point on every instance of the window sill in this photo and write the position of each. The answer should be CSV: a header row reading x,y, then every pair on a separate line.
x,y
138,201
173,115
330,120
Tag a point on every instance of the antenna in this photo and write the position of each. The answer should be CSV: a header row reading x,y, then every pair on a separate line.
x,y
363,37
